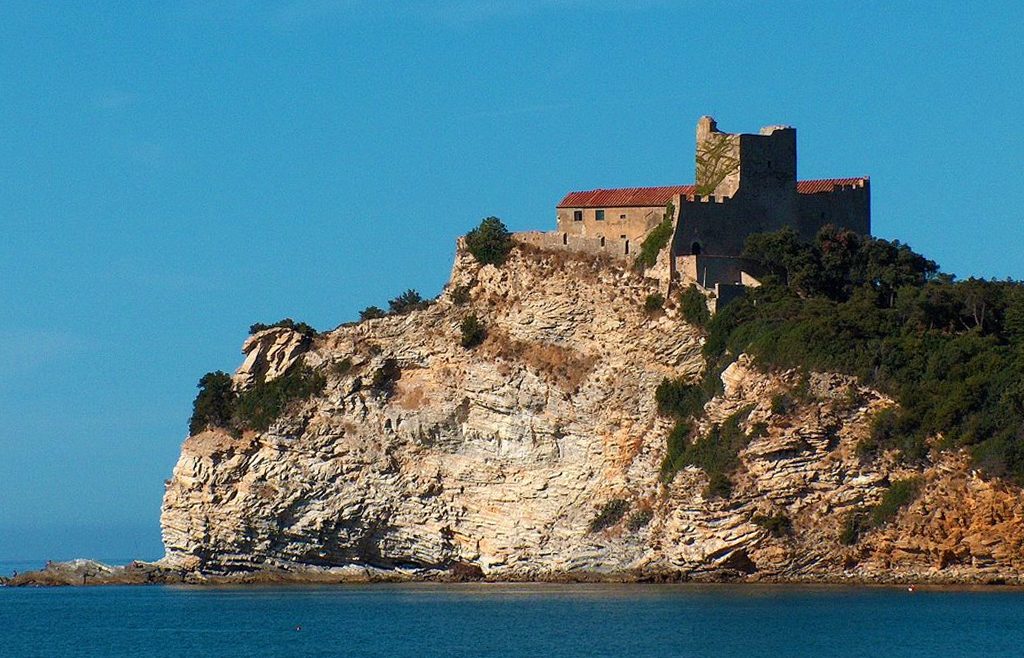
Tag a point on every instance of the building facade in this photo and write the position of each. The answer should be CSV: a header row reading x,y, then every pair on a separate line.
x,y
744,184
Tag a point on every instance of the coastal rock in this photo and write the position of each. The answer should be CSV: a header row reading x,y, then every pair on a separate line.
x,y
269,354
493,462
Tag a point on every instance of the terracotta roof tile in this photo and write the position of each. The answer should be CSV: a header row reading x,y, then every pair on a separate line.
x,y
659,196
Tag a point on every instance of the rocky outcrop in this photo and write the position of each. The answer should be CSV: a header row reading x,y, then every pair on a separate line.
x,y
426,459
269,354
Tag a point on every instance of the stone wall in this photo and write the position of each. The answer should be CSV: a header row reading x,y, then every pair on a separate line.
x,y
624,250
845,207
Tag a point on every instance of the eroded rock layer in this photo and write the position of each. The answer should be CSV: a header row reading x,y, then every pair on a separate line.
x,y
425,458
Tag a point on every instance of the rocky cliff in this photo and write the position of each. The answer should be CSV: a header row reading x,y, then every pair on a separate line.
x,y
422,458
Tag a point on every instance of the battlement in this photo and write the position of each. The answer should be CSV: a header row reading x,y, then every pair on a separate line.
x,y
744,184
615,248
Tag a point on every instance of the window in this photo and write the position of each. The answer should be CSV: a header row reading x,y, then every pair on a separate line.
x,y
577,215
622,216
599,215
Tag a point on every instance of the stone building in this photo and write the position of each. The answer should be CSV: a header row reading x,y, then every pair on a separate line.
x,y
744,184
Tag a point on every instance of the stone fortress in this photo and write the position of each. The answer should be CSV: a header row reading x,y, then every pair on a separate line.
x,y
745,184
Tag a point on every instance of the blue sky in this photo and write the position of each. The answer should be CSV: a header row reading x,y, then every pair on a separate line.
x,y
172,172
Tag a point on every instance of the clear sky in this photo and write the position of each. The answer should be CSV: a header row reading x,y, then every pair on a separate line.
x,y
171,172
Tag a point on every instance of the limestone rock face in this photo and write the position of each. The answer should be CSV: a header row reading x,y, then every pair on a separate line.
x,y
494,461
268,354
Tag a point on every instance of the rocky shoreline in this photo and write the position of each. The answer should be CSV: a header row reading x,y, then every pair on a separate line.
x,y
86,573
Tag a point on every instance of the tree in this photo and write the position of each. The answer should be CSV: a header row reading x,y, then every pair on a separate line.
x,y
490,243
372,313
214,405
410,300
473,331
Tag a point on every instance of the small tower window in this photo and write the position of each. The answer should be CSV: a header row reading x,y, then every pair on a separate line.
x,y
695,249
599,215
577,215
622,216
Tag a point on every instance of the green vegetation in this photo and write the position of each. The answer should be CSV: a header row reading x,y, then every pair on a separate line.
x,y
218,405
473,331
385,378
777,525
460,295
343,367
855,524
656,240
610,514
951,352
677,399
654,302
286,323
899,494
262,404
639,519
215,403
408,301
717,454
372,313
693,306
490,243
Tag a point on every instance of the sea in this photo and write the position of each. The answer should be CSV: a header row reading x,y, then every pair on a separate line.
x,y
479,619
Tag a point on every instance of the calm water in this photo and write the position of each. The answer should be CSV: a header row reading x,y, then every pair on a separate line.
x,y
510,620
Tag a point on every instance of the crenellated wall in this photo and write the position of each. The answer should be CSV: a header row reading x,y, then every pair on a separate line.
x,y
848,206
616,248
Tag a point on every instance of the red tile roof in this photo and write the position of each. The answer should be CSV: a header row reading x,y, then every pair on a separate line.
x,y
659,196
827,184
628,196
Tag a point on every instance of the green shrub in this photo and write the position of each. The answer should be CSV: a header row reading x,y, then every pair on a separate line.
x,y
639,519
385,378
343,367
675,448
490,242
214,404
859,521
372,313
899,494
654,302
855,524
777,525
678,399
610,514
286,323
717,454
693,306
782,404
460,295
473,331
408,301
259,406
656,240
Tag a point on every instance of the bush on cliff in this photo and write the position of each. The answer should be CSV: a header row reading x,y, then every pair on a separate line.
x,y
654,302
656,240
219,405
259,406
490,242
372,313
408,301
693,306
286,323
612,512
951,352
215,403
473,331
